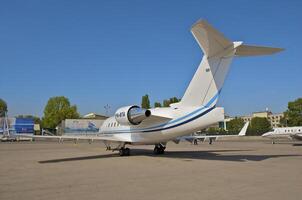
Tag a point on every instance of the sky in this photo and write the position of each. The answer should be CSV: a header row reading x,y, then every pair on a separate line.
x,y
113,52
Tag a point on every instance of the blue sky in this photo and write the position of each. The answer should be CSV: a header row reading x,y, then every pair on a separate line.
x,y
113,52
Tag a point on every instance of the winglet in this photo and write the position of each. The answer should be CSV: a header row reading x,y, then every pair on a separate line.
x,y
244,129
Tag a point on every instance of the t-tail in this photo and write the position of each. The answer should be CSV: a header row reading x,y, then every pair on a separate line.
x,y
208,80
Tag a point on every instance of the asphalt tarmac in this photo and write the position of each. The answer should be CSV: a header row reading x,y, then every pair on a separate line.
x,y
224,170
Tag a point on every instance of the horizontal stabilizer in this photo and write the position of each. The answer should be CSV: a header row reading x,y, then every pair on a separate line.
x,y
248,50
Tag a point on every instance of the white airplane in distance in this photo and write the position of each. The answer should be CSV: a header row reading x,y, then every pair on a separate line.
x,y
211,138
293,133
132,125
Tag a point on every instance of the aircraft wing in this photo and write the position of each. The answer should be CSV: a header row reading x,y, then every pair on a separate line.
x,y
212,137
100,137
204,137
297,136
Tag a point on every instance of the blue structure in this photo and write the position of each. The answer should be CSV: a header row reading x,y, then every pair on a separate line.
x,y
24,125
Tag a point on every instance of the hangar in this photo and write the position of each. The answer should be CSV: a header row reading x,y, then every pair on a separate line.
x,y
89,124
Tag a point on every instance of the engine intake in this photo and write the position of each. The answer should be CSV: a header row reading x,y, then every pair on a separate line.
x,y
131,115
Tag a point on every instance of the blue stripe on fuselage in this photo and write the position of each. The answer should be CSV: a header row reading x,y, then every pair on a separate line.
x,y
184,122
154,128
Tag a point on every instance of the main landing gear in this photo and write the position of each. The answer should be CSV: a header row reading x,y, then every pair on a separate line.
x,y
159,149
124,151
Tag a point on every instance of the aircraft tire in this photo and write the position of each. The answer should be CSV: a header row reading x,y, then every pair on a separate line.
x,y
124,152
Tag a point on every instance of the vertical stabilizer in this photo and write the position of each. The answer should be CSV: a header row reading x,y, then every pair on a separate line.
x,y
244,129
208,80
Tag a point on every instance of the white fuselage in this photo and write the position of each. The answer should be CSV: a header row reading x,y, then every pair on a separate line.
x,y
285,132
185,121
197,108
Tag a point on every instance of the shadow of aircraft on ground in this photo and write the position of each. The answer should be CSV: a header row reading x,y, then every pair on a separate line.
x,y
187,155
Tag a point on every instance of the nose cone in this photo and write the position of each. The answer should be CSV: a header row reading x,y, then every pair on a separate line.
x,y
268,134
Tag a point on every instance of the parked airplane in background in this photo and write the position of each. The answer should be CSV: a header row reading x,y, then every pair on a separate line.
x,y
195,138
132,125
293,133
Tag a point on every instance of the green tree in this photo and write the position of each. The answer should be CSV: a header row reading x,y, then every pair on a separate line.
x,y
56,110
3,107
213,130
174,100
293,115
157,104
145,102
258,126
167,102
235,125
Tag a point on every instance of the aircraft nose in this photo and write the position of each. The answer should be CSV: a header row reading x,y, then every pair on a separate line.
x,y
266,134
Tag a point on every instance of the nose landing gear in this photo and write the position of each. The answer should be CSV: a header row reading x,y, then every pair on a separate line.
x,y
159,149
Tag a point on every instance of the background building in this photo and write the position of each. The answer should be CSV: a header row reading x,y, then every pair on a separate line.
x,y
19,125
274,119
89,124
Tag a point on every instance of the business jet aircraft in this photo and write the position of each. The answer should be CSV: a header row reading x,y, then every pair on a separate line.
x,y
195,138
132,125
293,133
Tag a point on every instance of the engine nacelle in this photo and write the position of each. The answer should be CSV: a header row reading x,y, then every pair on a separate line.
x,y
131,115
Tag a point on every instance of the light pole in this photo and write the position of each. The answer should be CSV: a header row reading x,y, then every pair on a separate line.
x,y
107,107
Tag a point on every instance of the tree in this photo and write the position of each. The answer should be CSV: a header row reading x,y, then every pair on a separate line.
x,y
145,102
214,131
235,125
167,102
3,108
174,100
258,126
56,110
293,115
157,104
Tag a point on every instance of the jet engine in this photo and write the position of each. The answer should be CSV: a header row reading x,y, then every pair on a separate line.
x,y
131,115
